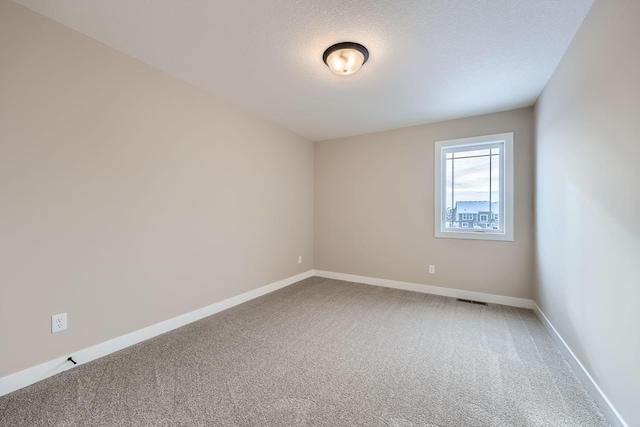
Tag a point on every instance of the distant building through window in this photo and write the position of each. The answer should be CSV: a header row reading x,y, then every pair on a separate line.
x,y
480,210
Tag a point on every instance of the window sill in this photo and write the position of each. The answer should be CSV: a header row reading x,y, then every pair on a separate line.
x,y
475,235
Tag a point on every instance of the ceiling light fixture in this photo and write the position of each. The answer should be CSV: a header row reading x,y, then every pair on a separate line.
x,y
345,58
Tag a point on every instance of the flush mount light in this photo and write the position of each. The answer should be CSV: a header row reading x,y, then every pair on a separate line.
x,y
345,58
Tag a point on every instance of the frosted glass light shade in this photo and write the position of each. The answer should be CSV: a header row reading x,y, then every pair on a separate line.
x,y
345,58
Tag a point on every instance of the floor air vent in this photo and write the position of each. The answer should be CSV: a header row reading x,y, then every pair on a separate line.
x,y
471,301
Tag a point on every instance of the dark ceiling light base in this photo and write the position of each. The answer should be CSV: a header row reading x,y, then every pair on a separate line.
x,y
346,57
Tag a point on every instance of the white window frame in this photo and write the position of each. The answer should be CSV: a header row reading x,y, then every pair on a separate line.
x,y
485,216
506,196
466,217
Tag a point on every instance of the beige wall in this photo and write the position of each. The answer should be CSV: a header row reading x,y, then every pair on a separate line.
x,y
374,209
588,200
129,197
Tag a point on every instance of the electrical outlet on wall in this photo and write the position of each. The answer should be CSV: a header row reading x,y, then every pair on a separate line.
x,y
300,259
432,269
58,322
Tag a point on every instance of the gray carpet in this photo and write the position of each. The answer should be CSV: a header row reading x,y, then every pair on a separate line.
x,y
325,353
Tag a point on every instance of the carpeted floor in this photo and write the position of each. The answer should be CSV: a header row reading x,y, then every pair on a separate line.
x,y
325,353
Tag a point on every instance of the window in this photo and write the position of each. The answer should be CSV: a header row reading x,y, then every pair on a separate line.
x,y
474,175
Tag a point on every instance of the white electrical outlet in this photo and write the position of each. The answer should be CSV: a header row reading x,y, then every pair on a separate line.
x,y
58,322
300,259
432,269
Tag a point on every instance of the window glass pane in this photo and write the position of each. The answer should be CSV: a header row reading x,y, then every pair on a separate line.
x,y
495,189
472,189
472,201
472,179
449,193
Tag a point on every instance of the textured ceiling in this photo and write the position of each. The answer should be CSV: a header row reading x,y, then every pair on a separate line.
x,y
430,60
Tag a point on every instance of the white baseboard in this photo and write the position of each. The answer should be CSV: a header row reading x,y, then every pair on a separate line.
x,y
592,387
37,373
427,289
